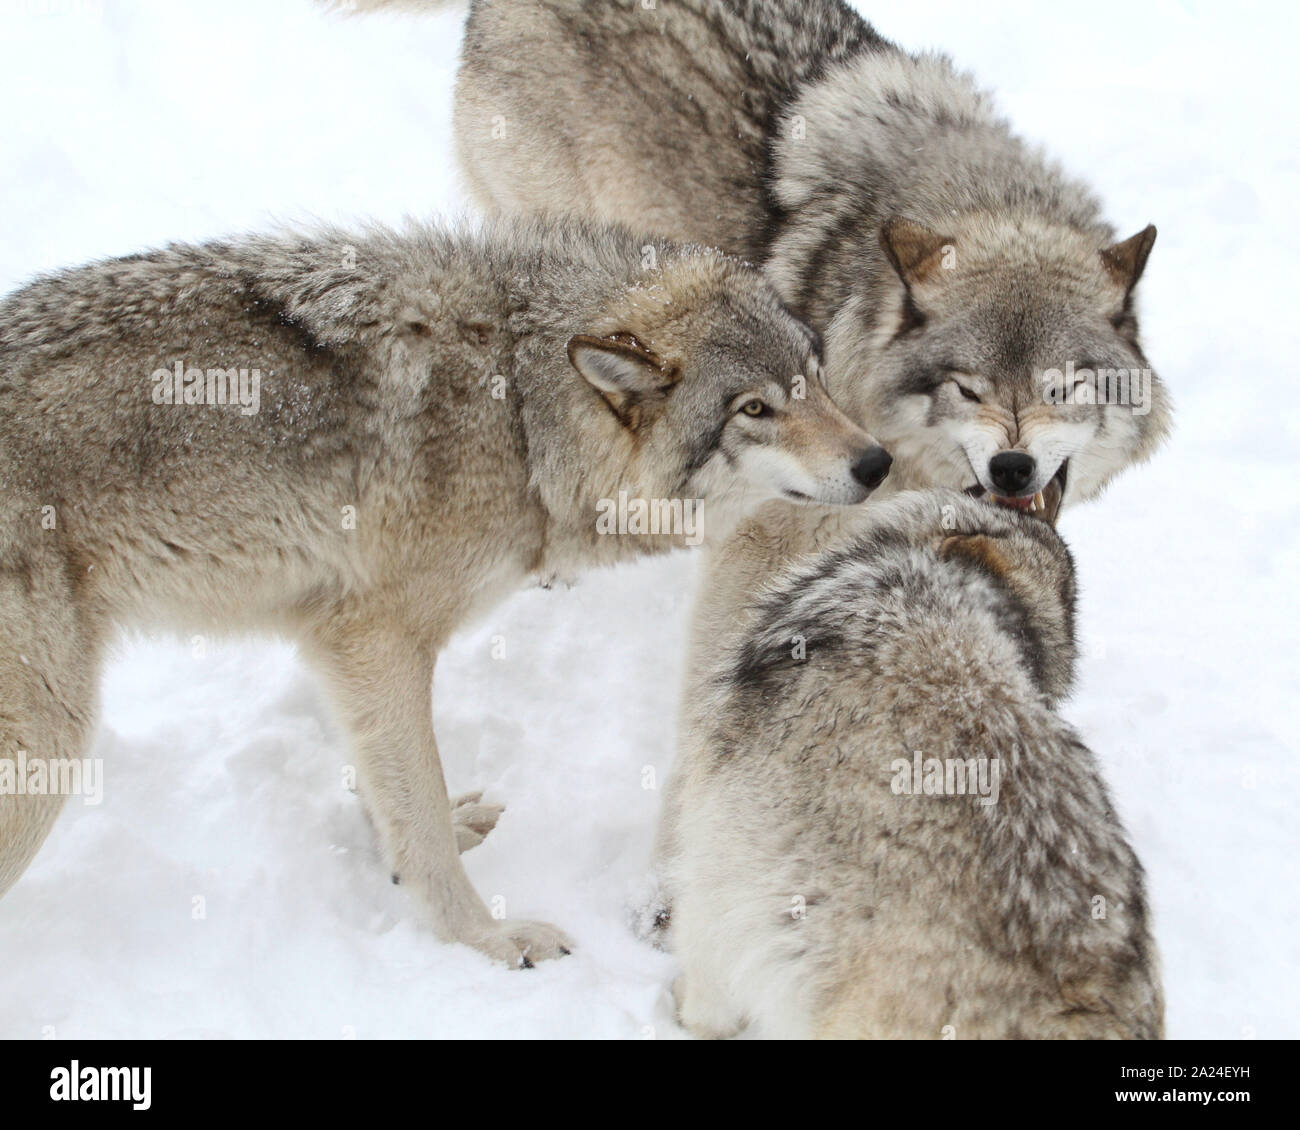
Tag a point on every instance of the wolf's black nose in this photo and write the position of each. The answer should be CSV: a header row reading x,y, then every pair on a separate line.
x,y
872,468
1011,471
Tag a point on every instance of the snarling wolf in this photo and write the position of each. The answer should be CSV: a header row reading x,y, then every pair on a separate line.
x,y
432,419
950,266
879,826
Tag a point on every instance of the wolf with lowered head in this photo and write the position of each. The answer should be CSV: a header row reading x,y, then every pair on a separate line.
x,y
432,419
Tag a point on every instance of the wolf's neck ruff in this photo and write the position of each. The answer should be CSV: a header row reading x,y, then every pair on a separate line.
x,y
886,134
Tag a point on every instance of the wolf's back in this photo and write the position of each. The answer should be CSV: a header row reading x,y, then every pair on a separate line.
x,y
658,116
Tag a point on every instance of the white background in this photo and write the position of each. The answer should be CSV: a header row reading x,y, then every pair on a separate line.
x,y
130,123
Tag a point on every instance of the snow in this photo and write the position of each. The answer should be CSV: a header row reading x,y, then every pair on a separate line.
x,y
228,885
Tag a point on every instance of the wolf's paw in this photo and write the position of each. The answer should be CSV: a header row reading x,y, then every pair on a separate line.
x,y
706,1016
521,945
473,820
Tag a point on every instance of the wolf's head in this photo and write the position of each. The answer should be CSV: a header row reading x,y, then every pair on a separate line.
x,y
1018,569
1027,562
1003,360
719,389
923,556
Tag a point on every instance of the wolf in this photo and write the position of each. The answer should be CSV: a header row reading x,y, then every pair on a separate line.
x,y
433,418
956,272
879,826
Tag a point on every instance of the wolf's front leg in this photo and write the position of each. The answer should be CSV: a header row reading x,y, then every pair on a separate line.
x,y
381,682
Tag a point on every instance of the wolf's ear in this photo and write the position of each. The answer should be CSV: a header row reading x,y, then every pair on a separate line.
x,y
915,251
1126,261
625,372
980,549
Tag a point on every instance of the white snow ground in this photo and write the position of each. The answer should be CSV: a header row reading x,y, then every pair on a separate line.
x,y
132,122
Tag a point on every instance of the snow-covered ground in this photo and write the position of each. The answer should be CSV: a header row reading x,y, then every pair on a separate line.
x,y
228,883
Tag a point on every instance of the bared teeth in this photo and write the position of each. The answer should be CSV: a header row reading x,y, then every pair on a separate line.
x,y
1012,503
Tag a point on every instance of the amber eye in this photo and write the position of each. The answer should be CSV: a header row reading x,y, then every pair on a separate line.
x,y
755,408
967,393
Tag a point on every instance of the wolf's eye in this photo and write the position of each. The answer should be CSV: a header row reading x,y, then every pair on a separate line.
x,y
967,393
755,407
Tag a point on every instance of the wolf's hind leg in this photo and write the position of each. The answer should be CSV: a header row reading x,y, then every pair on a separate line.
x,y
48,678
381,681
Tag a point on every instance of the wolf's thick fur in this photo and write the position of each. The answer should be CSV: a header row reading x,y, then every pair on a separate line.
x,y
948,264
811,898
440,416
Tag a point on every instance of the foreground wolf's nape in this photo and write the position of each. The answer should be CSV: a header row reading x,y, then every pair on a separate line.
x,y
878,825
433,419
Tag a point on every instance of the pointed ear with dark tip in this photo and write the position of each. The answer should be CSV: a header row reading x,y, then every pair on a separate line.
x,y
626,373
1126,261
915,251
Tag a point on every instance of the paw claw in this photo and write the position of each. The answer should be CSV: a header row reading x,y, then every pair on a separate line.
x,y
521,945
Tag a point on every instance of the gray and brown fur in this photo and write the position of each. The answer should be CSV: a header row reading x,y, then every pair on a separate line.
x,y
439,415
947,262
809,898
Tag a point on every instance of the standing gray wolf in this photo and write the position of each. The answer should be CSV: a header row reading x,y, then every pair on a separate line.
x,y
879,826
978,311
362,441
